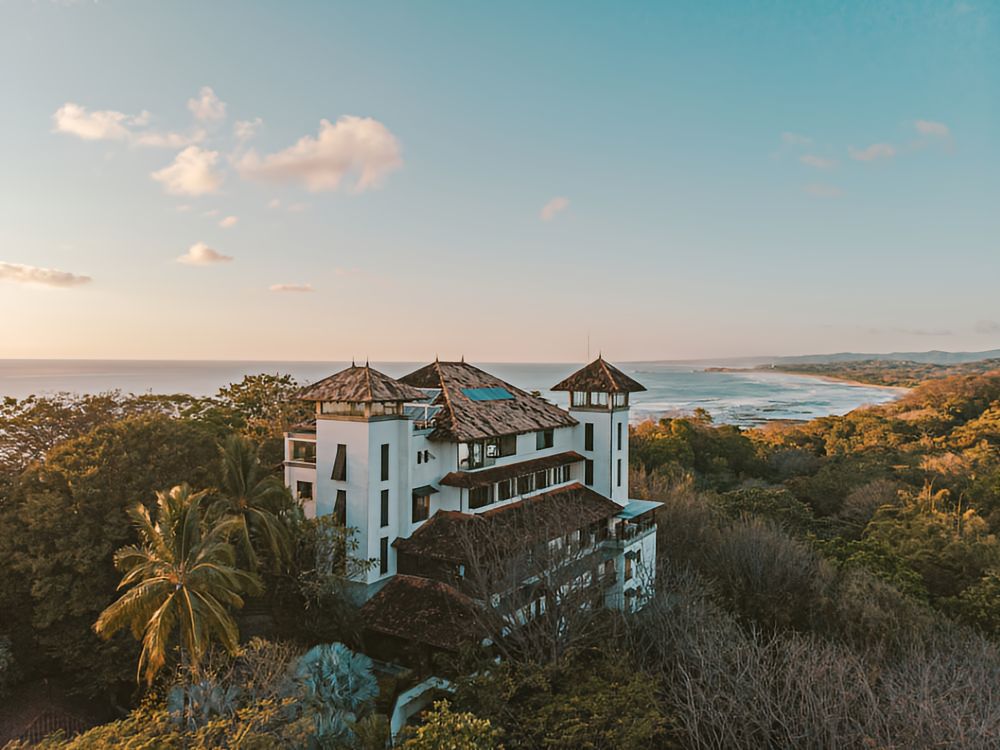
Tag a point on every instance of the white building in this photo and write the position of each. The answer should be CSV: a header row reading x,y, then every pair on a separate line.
x,y
405,463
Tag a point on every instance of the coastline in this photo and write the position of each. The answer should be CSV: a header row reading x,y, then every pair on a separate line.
x,y
900,389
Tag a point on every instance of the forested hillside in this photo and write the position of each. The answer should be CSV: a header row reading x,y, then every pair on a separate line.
x,y
831,584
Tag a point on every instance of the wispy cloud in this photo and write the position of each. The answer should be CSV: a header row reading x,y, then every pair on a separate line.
x,y
22,274
229,222
207,106
873,152
191,173
822,190
244,130
111,125
795,139
931,128
357,146
291,288
817,162
553,207
200,254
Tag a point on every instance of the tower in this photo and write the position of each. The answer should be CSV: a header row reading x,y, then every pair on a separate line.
x,y
362,452
599,400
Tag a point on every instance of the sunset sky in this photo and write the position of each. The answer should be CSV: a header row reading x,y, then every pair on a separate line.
x,y
316,181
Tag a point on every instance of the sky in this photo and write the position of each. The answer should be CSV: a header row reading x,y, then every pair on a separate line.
x,y
515,181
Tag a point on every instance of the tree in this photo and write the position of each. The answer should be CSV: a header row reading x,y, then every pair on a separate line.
x,y
255,501
268,406
58,538
182,579
443,727
336,686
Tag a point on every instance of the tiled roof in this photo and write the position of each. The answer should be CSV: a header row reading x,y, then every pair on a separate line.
x,y
360,384
483,477
599,376
446,536
423,610
463,418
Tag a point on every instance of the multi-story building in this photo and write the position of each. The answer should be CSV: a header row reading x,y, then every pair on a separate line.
x,y
407,463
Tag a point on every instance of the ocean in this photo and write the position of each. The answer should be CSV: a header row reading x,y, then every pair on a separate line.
x,y
740,398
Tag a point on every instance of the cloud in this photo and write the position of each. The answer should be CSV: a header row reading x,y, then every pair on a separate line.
x,y
924,331
873,152
229,221
987,326
354,145
168,140
291,288
207,106
102,125
191,173
244,130
200,254
822,190
274,203
936,129
554,206
794,139
110,125
817,162
22,274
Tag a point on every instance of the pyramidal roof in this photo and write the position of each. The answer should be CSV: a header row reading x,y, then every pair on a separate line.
x,y
360,384
477,405
600,376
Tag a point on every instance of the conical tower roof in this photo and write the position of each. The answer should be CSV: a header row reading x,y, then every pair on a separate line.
x,y
600,376
360,384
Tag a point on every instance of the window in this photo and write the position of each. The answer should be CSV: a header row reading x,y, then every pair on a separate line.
x,y
480,496
508,445
340,508
541,480
427,456
505,489
619,436
544,439
304,490
385,461
420,457
383,556
385,508
588,436
619,472
588,472
628,567
525,484
421,508
303,450
340,464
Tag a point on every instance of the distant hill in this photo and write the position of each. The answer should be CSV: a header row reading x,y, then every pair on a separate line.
x,y
932,358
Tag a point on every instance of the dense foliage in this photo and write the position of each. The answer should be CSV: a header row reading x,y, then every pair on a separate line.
x,y
834,583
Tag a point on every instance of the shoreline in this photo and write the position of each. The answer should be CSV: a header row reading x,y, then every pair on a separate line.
x,y
901,389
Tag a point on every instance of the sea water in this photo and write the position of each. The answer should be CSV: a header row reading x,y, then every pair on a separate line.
x,y
742,398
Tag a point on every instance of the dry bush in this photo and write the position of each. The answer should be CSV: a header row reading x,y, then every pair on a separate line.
x,y
732,687
860,504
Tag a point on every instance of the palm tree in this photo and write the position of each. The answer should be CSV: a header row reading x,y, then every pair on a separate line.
x,y
180,578
254,500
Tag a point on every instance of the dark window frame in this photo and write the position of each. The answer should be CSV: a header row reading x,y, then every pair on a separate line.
x,y
384,467
588,472
339,473
383,556
384,509
588,436
420,508
298,490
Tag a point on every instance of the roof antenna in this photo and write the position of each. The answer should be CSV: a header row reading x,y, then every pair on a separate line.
x,y
463,359
353,364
